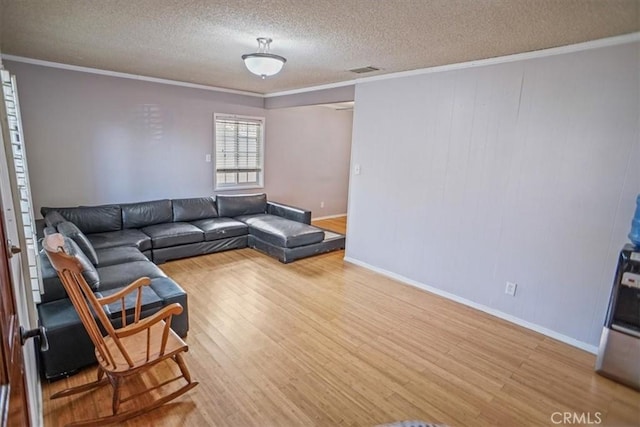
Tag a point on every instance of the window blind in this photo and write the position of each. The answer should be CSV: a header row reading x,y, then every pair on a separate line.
x,y
239,146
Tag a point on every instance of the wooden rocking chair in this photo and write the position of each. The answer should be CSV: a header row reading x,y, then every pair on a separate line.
x,y
124,352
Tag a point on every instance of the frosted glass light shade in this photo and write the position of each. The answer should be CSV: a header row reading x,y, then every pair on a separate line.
x,y
264,64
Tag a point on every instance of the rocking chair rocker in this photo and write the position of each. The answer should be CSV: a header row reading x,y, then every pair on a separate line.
x,y
123,352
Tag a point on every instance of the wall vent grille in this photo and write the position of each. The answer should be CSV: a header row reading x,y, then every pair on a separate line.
x,y
367,69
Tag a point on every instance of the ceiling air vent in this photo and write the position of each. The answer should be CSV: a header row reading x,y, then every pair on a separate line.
x,y
363,70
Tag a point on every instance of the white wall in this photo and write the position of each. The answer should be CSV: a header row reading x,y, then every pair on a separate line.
x,y
307,159
524,171
95,139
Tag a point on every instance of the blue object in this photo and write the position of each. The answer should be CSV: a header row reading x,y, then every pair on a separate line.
x,y
634,234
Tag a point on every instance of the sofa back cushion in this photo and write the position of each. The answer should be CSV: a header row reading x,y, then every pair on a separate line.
x,y
244,204
70,230
185,210
138,215
89,272
91,219
53,218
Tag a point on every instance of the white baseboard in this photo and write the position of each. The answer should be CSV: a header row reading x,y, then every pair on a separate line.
x,y
328,217
492,311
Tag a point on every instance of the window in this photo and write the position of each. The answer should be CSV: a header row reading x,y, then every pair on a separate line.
x,y
239,147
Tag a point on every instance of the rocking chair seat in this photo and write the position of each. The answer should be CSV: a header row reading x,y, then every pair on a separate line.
x,y
136,348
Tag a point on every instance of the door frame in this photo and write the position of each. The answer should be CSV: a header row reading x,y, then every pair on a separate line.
x,y
14,404
24,305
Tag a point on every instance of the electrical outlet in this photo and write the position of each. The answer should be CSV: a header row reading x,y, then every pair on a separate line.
x,y
207,158
510,289
322,204
356,169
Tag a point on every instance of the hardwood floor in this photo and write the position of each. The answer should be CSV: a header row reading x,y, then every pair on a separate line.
x,y
324,342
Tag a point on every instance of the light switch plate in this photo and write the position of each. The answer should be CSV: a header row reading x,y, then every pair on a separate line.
x,y
510,289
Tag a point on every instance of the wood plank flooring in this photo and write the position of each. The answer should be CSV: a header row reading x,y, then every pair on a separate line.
x,y
324,342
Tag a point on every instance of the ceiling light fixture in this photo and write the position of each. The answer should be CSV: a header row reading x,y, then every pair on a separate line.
x,y
262,63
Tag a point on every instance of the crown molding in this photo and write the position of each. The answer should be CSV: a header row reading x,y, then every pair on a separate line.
x,y
311,88
542,53
126,75
577,47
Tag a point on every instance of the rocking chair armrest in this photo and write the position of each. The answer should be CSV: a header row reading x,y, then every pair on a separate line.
x,y
147,322
143,281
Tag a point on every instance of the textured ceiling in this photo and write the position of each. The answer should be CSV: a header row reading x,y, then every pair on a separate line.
x,y
202,41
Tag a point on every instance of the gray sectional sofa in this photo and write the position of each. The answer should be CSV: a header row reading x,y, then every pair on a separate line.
x,y
117,244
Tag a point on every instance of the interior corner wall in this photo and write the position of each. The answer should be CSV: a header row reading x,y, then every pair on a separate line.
x,y
95,139
308,152
524,172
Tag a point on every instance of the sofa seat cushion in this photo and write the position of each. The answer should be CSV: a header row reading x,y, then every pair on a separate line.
x,y
171,292
281,231
111,239
58,314
173,234
119,275
221,228
150,301
118,255
168,290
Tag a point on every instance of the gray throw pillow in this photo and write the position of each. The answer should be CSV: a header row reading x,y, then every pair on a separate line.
x,y
89,272
53,218
71,231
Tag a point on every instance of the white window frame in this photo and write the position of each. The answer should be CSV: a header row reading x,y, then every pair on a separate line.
x,y
260,172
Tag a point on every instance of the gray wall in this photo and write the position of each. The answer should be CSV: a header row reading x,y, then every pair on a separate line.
x,y
523,172
315,169
95,139
322,96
